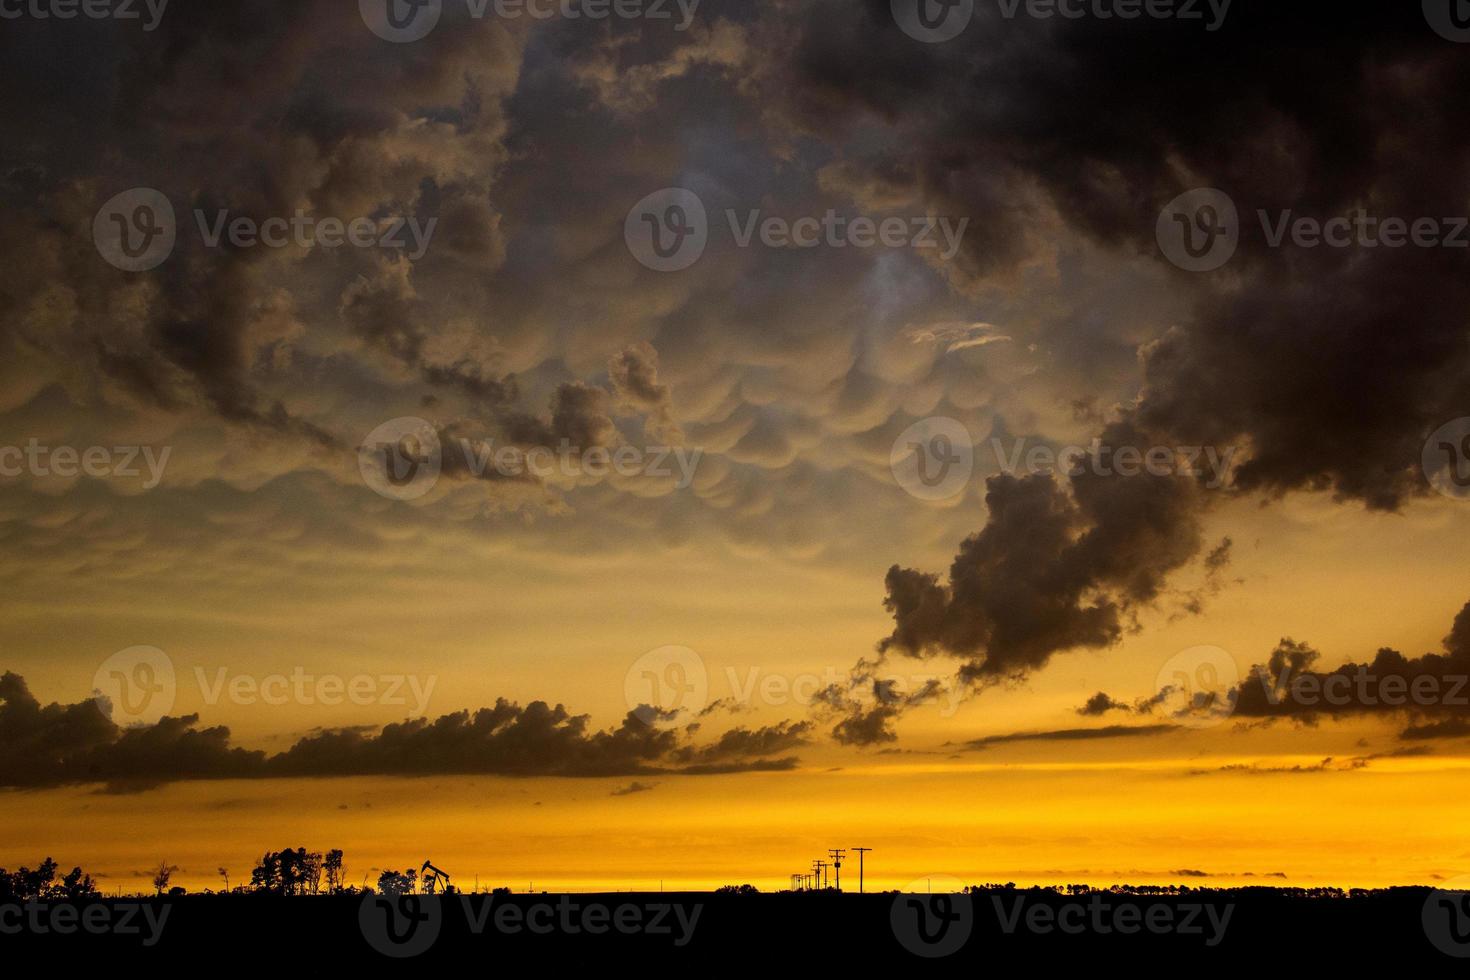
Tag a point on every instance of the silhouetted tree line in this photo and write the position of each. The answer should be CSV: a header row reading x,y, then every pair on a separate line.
x,y
41,883
298,872
1144,890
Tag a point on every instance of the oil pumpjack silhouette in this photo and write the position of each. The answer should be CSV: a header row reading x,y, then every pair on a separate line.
x,y
435,880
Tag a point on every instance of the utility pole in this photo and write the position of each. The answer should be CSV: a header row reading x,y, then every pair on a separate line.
x,y
821,868
860,852
837,856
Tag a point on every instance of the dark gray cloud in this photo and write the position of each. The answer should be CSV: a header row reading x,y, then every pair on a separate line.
x,y
1055,568
1073,735
56,744
1308,106
867,708
633,788
1433,688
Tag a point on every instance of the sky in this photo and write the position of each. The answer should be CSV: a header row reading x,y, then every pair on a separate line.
x,y
603,451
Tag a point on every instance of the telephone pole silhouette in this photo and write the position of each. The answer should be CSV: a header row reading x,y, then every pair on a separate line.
x,y
837,856
820,867
860,852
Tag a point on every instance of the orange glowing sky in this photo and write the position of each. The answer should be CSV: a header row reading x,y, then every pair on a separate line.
x,y
535,318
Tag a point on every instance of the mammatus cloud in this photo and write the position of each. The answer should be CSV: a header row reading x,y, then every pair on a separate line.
x,y
1001,124
56,744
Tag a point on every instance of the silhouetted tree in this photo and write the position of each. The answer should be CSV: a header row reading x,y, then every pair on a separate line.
x,y
397,882
162,875
311,872
287,872
76,885
27,884
332,865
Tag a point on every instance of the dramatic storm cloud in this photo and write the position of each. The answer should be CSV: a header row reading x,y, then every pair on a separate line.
x,y
77,743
